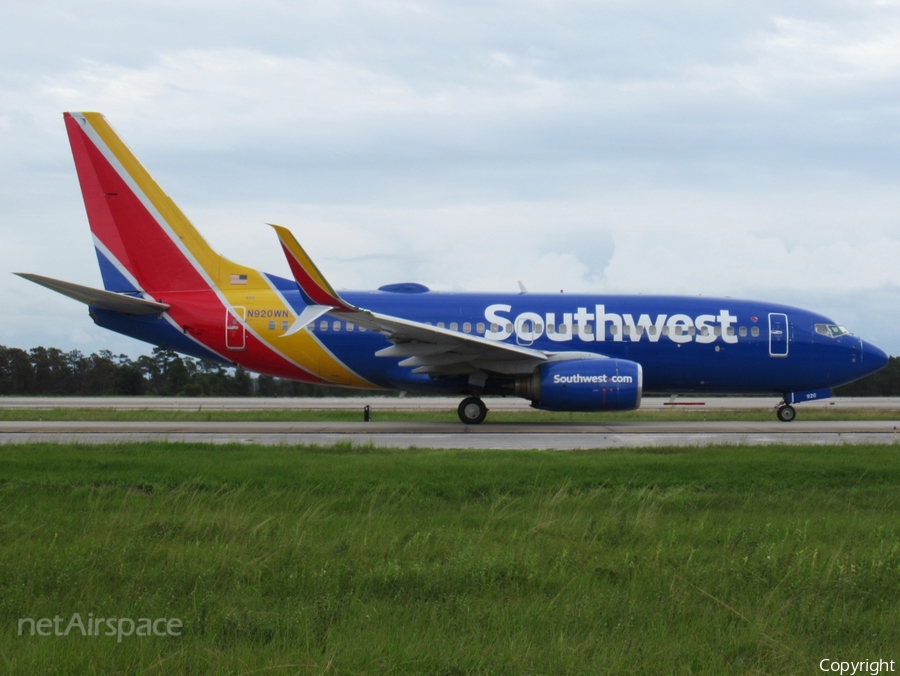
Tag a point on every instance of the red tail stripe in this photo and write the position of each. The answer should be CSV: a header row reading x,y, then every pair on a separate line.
x,y
95,200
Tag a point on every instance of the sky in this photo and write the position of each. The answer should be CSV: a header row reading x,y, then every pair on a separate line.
x,y
731,149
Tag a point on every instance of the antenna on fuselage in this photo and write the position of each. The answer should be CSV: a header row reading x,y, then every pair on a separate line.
x,y
522,288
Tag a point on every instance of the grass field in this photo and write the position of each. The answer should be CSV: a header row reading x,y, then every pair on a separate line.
x,y
646,415
349,560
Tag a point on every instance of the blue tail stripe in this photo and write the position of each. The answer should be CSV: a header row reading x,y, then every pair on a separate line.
x,y
113,280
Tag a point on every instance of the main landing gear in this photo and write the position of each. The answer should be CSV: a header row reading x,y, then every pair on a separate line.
x,y
472,410
786,413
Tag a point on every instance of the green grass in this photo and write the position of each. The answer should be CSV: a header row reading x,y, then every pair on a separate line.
x,y
351,560
527,416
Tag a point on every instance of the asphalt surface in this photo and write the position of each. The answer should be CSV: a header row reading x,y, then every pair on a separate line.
x,y
549,436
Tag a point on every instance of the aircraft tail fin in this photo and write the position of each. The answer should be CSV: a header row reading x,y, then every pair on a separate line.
x,y
143,240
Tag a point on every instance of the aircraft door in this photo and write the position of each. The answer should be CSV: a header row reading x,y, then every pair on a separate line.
x,y
778,335
235,329
529,327
524,332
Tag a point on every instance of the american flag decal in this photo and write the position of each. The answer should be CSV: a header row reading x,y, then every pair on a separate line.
x,y
238,279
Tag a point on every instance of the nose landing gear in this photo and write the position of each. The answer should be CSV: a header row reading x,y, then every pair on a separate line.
x,y
472,410
786,413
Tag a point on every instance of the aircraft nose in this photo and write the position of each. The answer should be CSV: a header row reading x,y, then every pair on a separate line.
x,y
872,357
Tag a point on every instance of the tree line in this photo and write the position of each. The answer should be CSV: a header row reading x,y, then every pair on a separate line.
x,y
164,373
883,383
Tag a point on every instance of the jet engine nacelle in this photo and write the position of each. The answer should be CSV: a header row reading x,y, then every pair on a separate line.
x,y
584,385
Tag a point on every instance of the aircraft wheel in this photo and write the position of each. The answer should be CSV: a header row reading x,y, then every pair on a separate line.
x,y
472,410
786,413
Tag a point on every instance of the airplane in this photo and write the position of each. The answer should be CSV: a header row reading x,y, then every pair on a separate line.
x,y
165,285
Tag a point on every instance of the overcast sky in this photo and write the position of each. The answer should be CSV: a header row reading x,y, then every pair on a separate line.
x,y
742,149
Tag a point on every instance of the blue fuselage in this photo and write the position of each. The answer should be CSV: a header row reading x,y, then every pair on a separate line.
x,y
684,344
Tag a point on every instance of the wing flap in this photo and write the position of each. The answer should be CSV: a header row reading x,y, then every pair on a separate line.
x,y
413,349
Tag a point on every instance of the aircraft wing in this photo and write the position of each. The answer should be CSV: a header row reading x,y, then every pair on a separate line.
x,y
105,300
423,348
436,351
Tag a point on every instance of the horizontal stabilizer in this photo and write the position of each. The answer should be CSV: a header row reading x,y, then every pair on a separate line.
x,y
105,300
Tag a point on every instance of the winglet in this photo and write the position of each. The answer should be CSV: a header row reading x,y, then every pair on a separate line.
x,y
312,283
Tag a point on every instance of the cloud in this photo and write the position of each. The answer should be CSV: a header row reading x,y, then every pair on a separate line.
x,y
797,58
212,90
591,146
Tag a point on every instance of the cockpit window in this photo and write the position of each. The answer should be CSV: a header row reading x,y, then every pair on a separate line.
x,y
831,330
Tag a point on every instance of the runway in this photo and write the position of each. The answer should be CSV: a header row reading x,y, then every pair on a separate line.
x,y
539,435
503,436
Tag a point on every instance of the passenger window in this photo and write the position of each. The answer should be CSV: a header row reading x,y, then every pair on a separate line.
x,y
440,325
467,327
362,329
509,328
538,328
349,326
743,331
284,326
754,331
575,330
652,330
692,330
588,329
336,326
323,325
665,330
626,330
480,327
717,331
272,325
454,326
563,329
